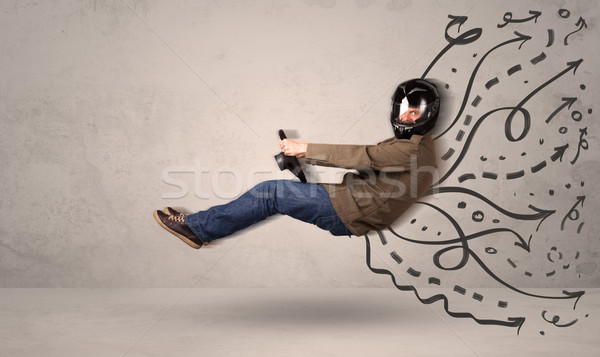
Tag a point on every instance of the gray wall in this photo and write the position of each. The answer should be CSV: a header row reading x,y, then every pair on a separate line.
x,y
112,109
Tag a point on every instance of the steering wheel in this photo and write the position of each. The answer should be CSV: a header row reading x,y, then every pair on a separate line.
x,y
289,162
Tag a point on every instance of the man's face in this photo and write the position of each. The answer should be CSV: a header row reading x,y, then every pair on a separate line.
x,y
410,116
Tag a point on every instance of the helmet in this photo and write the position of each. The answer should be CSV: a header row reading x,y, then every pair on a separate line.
x,y
415,108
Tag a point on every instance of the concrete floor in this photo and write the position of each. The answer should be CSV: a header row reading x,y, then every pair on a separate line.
x,y
262,322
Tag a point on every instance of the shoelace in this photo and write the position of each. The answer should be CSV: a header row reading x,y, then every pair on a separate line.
x,y
178,219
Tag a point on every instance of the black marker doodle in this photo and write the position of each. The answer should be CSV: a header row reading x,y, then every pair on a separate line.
x,y
508,18
487,212
581,23
583,144
555,320
573,214
568,102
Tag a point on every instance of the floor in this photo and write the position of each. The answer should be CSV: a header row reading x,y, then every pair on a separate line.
x,y
262,322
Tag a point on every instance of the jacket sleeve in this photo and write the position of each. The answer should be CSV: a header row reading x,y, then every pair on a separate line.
x,y
390,155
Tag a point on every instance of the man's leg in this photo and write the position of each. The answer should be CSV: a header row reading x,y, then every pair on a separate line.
x,y
307,202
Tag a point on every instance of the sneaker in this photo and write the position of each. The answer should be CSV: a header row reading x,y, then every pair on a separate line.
x,y
175,224
173,212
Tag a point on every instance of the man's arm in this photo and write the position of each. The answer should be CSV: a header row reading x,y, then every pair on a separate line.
x,y
390,155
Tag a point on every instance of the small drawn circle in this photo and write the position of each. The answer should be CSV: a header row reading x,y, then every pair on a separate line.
x,y
474,55
453,70
564,13
576,115
424,228
582,87
541,141
502,157
590,111
568,186
483,158
447,86
478,216
523,153
496,221
551,192
462,205
525,82
491,250
563,130
413,221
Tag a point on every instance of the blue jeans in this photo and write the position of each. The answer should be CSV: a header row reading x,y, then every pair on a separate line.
x,y
304,201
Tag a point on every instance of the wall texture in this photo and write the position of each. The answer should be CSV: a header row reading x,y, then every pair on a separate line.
x,y
112,109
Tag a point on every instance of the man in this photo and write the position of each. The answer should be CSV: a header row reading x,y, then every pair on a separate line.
x,y
392,175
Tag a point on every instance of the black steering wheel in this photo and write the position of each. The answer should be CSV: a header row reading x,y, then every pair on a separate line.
x,y
289,162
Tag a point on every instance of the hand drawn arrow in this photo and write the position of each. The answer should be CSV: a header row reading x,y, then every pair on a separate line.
x,y
568,102
570,66
520,38
508,18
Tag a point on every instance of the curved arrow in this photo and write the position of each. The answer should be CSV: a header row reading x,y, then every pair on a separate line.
x,y
508,18
541,214
464,39
466,252
570,66
520,38
521,243
568,102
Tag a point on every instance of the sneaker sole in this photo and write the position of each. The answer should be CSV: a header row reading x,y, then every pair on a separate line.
x,y
183,238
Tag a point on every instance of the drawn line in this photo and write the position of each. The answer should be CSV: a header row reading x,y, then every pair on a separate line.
x,y
510,322
466,177
492,82
478,297
435,281
448,154
514,70
550,37
382,237
476,101
513,322
468,120
460,289
460,135
538,167
538,59
514,175
396,257
413,272
489,175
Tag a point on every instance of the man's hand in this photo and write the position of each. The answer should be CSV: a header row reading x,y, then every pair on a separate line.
x,y
292,147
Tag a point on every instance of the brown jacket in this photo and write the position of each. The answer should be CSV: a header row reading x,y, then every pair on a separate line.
x,y
392,176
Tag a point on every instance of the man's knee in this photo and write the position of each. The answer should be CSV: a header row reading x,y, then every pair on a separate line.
x,y
265,189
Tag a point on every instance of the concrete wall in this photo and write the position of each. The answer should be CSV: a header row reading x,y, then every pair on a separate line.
x,y
112,109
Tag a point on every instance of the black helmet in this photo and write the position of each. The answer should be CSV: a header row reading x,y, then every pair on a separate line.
x,y
423,99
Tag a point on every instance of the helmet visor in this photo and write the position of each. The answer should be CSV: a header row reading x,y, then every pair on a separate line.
x,y
409,114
